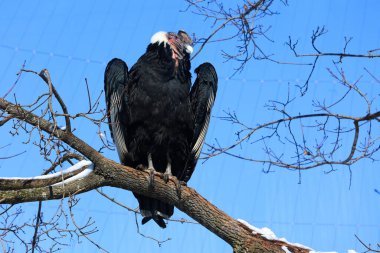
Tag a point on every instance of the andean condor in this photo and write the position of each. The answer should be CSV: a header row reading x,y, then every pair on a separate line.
x,y
157,120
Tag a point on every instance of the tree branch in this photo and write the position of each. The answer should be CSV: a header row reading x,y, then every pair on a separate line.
x,y
109,173
240,237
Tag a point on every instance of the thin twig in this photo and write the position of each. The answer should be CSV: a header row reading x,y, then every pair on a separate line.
x,y
15,83
159,242
368,247
82,232
36,226
117,202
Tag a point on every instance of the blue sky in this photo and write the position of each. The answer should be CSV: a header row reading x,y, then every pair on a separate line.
x,y
76,39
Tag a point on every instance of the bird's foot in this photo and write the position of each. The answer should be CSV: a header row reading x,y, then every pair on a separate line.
x,y
168,171
166,176
151,171
178,186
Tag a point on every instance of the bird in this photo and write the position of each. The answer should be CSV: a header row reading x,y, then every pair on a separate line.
x,y
157,119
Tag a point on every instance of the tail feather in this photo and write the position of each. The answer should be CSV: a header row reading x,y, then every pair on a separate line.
x,y
154,209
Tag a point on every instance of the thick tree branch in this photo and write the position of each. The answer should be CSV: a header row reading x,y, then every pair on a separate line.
x,y
16,111
240,237
49,192
38,181
109,173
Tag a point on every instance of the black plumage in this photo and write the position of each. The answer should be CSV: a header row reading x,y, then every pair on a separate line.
x,y
156,118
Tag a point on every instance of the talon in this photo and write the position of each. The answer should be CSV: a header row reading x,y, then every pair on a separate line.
x,y
151,172
141,167
178,186
166,177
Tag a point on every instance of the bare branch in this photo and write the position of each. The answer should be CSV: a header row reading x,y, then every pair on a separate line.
x,y
81,229
159,242
15,83
244,22
12,156
117,202
319,32
368,247
38,220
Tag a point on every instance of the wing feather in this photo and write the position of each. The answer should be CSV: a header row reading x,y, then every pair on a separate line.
x,y
115,81
197,146
202,97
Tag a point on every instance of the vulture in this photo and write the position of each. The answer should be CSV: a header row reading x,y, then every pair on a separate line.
x,y
157,119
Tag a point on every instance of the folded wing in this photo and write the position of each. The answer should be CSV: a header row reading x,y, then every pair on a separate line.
x,y
115,81
202,97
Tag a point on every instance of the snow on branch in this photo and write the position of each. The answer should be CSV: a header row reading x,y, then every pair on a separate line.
x,y
76,172
79,176
270,235
71,169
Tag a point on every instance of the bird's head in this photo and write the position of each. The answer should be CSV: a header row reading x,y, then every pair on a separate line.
x,y
180,43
